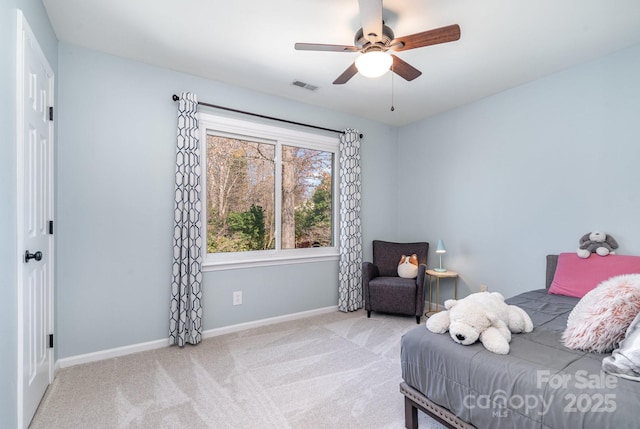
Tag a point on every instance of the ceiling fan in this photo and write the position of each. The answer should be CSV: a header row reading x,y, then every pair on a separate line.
x,y
375,39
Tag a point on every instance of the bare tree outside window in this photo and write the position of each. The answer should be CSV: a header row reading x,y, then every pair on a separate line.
x,y
307,198
241,196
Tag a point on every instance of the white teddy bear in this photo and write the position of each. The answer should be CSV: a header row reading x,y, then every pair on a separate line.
x,y
484,316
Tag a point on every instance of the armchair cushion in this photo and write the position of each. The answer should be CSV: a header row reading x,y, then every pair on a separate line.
x,y
393,295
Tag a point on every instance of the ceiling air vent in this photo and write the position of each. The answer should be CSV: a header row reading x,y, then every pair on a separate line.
x,y
304,85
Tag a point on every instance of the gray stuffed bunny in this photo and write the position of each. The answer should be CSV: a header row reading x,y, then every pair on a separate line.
x,y
597,242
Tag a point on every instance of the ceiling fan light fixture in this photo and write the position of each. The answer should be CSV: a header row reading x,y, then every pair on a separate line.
x,y
374,64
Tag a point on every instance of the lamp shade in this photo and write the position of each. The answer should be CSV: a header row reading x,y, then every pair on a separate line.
x,y
440,247
374,64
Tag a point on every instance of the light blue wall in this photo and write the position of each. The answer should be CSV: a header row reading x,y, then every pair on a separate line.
x,y
36,16
116,154
513,177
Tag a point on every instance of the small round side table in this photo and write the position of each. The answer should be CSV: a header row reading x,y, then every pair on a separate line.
x,y
440,275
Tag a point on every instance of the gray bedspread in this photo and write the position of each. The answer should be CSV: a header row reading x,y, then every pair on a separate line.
x,y
539,384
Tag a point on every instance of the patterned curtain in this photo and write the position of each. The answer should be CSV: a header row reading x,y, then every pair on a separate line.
x,y
350,277
185,324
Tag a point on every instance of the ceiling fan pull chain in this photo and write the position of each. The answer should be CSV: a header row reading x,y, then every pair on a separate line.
x,y
392,108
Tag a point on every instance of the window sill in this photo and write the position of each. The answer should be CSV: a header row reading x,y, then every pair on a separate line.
x,y
268,261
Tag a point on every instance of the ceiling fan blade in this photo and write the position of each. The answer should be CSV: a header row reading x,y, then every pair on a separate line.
x,y
371,18
404,69
323,47
346,75
449,33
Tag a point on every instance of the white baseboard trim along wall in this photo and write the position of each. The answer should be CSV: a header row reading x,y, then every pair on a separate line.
x,y
432,306
157,344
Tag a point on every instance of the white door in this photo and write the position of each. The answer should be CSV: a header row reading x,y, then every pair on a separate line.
x,y
34,214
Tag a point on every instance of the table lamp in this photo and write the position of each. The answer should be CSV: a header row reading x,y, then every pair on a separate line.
x,y
440,249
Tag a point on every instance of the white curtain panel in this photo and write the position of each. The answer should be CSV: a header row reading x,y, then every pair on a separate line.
x,y
185,324
350,276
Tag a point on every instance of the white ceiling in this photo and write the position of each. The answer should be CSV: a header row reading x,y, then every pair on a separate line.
x,y
503,43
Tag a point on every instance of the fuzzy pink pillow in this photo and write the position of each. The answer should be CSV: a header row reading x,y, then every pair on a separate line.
x,y
575,276
600,319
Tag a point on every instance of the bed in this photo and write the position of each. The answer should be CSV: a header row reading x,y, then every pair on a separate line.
x,y
539,384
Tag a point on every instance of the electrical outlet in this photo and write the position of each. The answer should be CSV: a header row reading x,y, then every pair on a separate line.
x,y
483,288
237,297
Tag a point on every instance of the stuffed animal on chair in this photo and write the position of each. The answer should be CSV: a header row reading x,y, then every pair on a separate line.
x,y
481,316
408,266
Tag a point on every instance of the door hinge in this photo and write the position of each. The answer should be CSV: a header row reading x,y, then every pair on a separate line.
x,y
51,113
50,341
50,227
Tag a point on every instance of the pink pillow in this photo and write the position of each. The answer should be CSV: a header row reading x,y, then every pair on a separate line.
x,y
575,276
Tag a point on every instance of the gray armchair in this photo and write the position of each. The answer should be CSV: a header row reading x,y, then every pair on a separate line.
x,y
384,290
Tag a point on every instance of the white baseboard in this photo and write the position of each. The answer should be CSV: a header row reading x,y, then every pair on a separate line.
x,y
158,344
111,353
432,305
269,321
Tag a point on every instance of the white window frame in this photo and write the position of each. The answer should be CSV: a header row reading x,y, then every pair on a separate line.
x,y
254,131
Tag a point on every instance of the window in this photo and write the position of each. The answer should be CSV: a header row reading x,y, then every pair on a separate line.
x,y
270,194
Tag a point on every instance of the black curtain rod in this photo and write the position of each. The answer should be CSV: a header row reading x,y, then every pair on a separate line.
x,y
176,98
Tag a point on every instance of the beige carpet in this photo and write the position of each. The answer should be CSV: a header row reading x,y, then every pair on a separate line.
x,y
337,370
